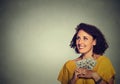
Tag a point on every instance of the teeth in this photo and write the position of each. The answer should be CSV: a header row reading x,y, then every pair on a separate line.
x,y
81,47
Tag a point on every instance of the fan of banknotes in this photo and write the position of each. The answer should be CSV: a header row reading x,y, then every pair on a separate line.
x,y
87,63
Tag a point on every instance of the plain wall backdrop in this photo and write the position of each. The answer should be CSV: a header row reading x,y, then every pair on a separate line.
x,y
35,36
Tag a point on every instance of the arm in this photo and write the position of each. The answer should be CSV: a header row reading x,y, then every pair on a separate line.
x,y
89,74
111,81
99,80
74,78
72,81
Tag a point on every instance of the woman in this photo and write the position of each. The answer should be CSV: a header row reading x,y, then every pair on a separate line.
x,y
91,67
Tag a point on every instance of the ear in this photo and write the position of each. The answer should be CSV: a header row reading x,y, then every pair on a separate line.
x,y
94,42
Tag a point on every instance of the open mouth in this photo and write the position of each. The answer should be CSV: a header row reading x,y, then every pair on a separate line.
x,y
80,47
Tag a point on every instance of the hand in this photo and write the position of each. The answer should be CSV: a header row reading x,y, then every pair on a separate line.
x,y
79,73
85,73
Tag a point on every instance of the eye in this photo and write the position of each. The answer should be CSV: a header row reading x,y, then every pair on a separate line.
x,y
85,38
77,37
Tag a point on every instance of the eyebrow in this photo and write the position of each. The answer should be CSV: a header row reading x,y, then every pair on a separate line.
x,y
83,36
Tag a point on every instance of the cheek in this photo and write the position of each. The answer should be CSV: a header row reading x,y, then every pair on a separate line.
x,y
76,42
90,44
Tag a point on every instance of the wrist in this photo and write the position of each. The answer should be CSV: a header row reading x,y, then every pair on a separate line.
x,y
95,76
98,81
72,81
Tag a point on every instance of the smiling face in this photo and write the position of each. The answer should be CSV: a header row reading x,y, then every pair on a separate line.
x,y
85,42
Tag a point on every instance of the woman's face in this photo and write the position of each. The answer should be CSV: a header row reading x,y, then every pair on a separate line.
x,y
84,42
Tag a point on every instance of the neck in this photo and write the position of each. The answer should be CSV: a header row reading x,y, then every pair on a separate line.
x,y
92,55
87,55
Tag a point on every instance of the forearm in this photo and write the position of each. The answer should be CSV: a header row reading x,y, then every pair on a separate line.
x,y
72,81
98,79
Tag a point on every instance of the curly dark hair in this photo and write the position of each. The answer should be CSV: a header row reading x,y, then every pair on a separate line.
x,y
101,44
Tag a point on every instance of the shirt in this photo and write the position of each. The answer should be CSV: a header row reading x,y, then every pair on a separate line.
x,y
103,67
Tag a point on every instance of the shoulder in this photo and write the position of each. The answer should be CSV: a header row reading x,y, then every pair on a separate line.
x,y
104,60
69,63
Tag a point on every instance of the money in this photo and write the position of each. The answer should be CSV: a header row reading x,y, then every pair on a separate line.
x,y
87,63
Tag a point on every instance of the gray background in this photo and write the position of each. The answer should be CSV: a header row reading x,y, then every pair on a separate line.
x,y
35,36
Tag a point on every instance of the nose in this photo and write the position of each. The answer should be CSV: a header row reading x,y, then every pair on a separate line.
x,y
80,41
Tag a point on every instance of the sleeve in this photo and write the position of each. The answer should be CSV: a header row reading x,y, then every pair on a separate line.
x,y
63,75
105,69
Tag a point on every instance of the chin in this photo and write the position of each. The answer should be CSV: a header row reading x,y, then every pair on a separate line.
x,y
82,52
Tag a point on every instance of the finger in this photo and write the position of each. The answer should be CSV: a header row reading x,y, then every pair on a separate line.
x,y
84,72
